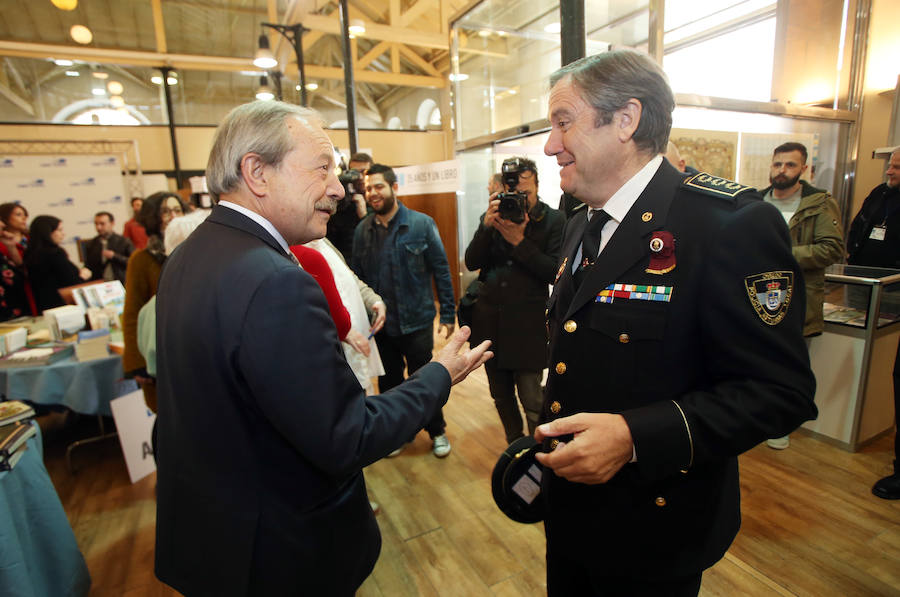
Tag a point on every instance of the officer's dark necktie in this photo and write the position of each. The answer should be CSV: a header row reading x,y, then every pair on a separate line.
x,y
590,243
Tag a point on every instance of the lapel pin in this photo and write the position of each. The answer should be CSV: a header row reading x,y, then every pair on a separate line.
x,y
647,216
662,253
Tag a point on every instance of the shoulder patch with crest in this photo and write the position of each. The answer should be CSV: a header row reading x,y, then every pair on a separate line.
x,y
770,294
714,185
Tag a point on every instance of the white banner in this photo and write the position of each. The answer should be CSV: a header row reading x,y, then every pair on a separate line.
x,y
71,187
437,177
134,422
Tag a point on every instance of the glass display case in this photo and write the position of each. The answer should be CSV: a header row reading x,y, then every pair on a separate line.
x,y
853,359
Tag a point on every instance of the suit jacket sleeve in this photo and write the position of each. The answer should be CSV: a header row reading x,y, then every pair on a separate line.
x,y
122,249
320,408
760,384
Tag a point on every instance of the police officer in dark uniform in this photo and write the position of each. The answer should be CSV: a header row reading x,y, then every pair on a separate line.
x,y
675,343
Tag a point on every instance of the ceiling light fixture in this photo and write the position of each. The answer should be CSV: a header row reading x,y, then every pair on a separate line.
x,y
65,4
63,62
100,74
264,57
81,34
116,101
312,86
264,92
458,77
172,79
115,87
553,28
156,80
73,73
98,91
356,27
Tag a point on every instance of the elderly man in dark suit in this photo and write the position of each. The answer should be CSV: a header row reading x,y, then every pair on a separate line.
x,y
263,427
675,343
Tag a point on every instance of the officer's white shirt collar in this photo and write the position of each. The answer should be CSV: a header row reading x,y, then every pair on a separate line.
x,y
266,224
622,201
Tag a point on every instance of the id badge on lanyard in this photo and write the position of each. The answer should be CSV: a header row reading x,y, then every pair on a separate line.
x,y
878,232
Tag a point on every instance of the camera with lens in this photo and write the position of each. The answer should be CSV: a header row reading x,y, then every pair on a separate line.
x,y
513,204
353,182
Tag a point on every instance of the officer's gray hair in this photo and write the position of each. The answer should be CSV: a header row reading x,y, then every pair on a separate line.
x,y
257,127
607,81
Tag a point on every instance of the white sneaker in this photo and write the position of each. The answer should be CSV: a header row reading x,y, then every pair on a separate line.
x,y
441,446
779,443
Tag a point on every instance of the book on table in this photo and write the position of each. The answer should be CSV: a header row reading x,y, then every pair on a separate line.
x,y
44,354
13,437
12,411
7,464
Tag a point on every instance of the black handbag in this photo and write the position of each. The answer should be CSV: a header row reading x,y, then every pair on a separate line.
x,y
467,303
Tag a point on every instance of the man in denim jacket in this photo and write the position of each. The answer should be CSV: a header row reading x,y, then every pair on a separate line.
x,y
396,251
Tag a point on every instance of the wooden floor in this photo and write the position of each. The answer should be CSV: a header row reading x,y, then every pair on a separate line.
x,y
811,525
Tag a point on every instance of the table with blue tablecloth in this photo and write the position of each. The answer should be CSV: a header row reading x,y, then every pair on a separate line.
x,y
38,553
85,387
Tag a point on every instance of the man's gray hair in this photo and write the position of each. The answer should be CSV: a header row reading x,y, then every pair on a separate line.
x,y
257,127
607,81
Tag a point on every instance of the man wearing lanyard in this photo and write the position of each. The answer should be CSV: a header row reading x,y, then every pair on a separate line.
x,y
874,240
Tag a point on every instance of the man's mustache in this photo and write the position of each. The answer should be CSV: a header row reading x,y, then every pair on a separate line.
x,y
327,204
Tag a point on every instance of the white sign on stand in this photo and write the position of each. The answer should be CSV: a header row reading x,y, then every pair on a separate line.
x,y
134,422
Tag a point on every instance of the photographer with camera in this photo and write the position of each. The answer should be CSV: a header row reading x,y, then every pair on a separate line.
x,y
517,248
352,208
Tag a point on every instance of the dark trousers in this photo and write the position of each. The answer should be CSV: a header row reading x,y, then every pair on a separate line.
x,y
566,577
503,384
407,351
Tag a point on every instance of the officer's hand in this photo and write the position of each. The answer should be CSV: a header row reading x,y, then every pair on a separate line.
x,y
379,309
447,329
601,445
490,216
460,365
513,233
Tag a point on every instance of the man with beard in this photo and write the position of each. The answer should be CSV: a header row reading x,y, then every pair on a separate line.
x,y
813,218
106,255
397,251
517,259
874,240
263,427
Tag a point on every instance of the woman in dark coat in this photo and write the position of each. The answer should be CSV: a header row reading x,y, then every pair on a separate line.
x,y
48,265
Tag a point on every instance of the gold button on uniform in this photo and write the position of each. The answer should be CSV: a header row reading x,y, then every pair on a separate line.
x,y
555,407
647,216
570,326
660,501
560,368
624,338
554,443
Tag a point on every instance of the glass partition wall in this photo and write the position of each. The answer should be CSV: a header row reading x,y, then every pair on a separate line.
x,y
748,75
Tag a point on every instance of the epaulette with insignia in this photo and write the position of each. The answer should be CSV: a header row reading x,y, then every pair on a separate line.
x,y
714,185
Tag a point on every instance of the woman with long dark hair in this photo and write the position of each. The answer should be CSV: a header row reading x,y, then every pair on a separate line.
x,y
48,265
17,297
141,279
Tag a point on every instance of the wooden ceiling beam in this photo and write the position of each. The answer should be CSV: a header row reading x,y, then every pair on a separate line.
x,y
159,26
412,37
379,49
419,61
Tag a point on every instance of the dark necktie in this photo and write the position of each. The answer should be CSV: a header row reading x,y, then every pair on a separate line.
x,y
590,242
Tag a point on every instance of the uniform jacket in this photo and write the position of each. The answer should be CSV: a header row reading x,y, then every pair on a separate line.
x,y
263,428
817,242
93,258
871,214
510,307
698,379
417,254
